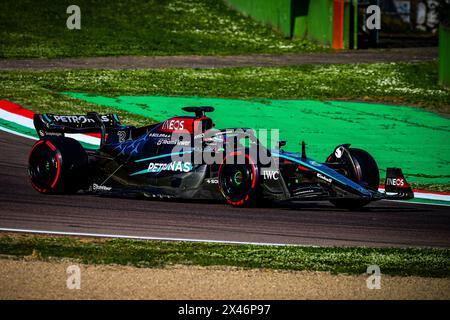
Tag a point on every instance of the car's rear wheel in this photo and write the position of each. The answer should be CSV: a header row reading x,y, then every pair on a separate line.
x,y
238,182
367,173
57,165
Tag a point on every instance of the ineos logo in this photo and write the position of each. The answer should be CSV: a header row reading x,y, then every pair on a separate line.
x,y
173,124
398,182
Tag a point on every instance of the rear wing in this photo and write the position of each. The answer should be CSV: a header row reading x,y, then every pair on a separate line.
x,y
51,124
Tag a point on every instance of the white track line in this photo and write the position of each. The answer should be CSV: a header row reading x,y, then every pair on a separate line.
x,y
118,236
417,202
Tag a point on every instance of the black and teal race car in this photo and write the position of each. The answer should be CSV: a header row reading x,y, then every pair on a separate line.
x,y
187,157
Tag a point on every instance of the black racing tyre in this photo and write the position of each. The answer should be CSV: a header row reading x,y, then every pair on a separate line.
x,y
238,183
57,165
368,173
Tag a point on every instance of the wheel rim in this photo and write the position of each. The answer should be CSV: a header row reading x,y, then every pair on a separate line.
x,y
237,181
43,168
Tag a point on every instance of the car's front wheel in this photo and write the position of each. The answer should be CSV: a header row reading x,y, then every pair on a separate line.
x,y
366,173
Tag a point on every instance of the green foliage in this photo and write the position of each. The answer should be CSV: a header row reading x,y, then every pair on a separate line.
x,y
31,28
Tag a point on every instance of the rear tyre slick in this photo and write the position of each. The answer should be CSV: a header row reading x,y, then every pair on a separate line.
x,y
57,165
367,173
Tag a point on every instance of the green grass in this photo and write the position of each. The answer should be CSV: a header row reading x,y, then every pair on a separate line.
x,y
31,28
430,186
405,262
401,83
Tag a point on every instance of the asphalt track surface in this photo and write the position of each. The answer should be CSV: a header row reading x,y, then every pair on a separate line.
x,y
382,224
255,60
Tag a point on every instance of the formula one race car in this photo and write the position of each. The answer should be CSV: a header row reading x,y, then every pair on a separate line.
x,y
186,157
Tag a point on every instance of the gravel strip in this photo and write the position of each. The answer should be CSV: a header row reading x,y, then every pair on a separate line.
x,y
260,60
35,279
